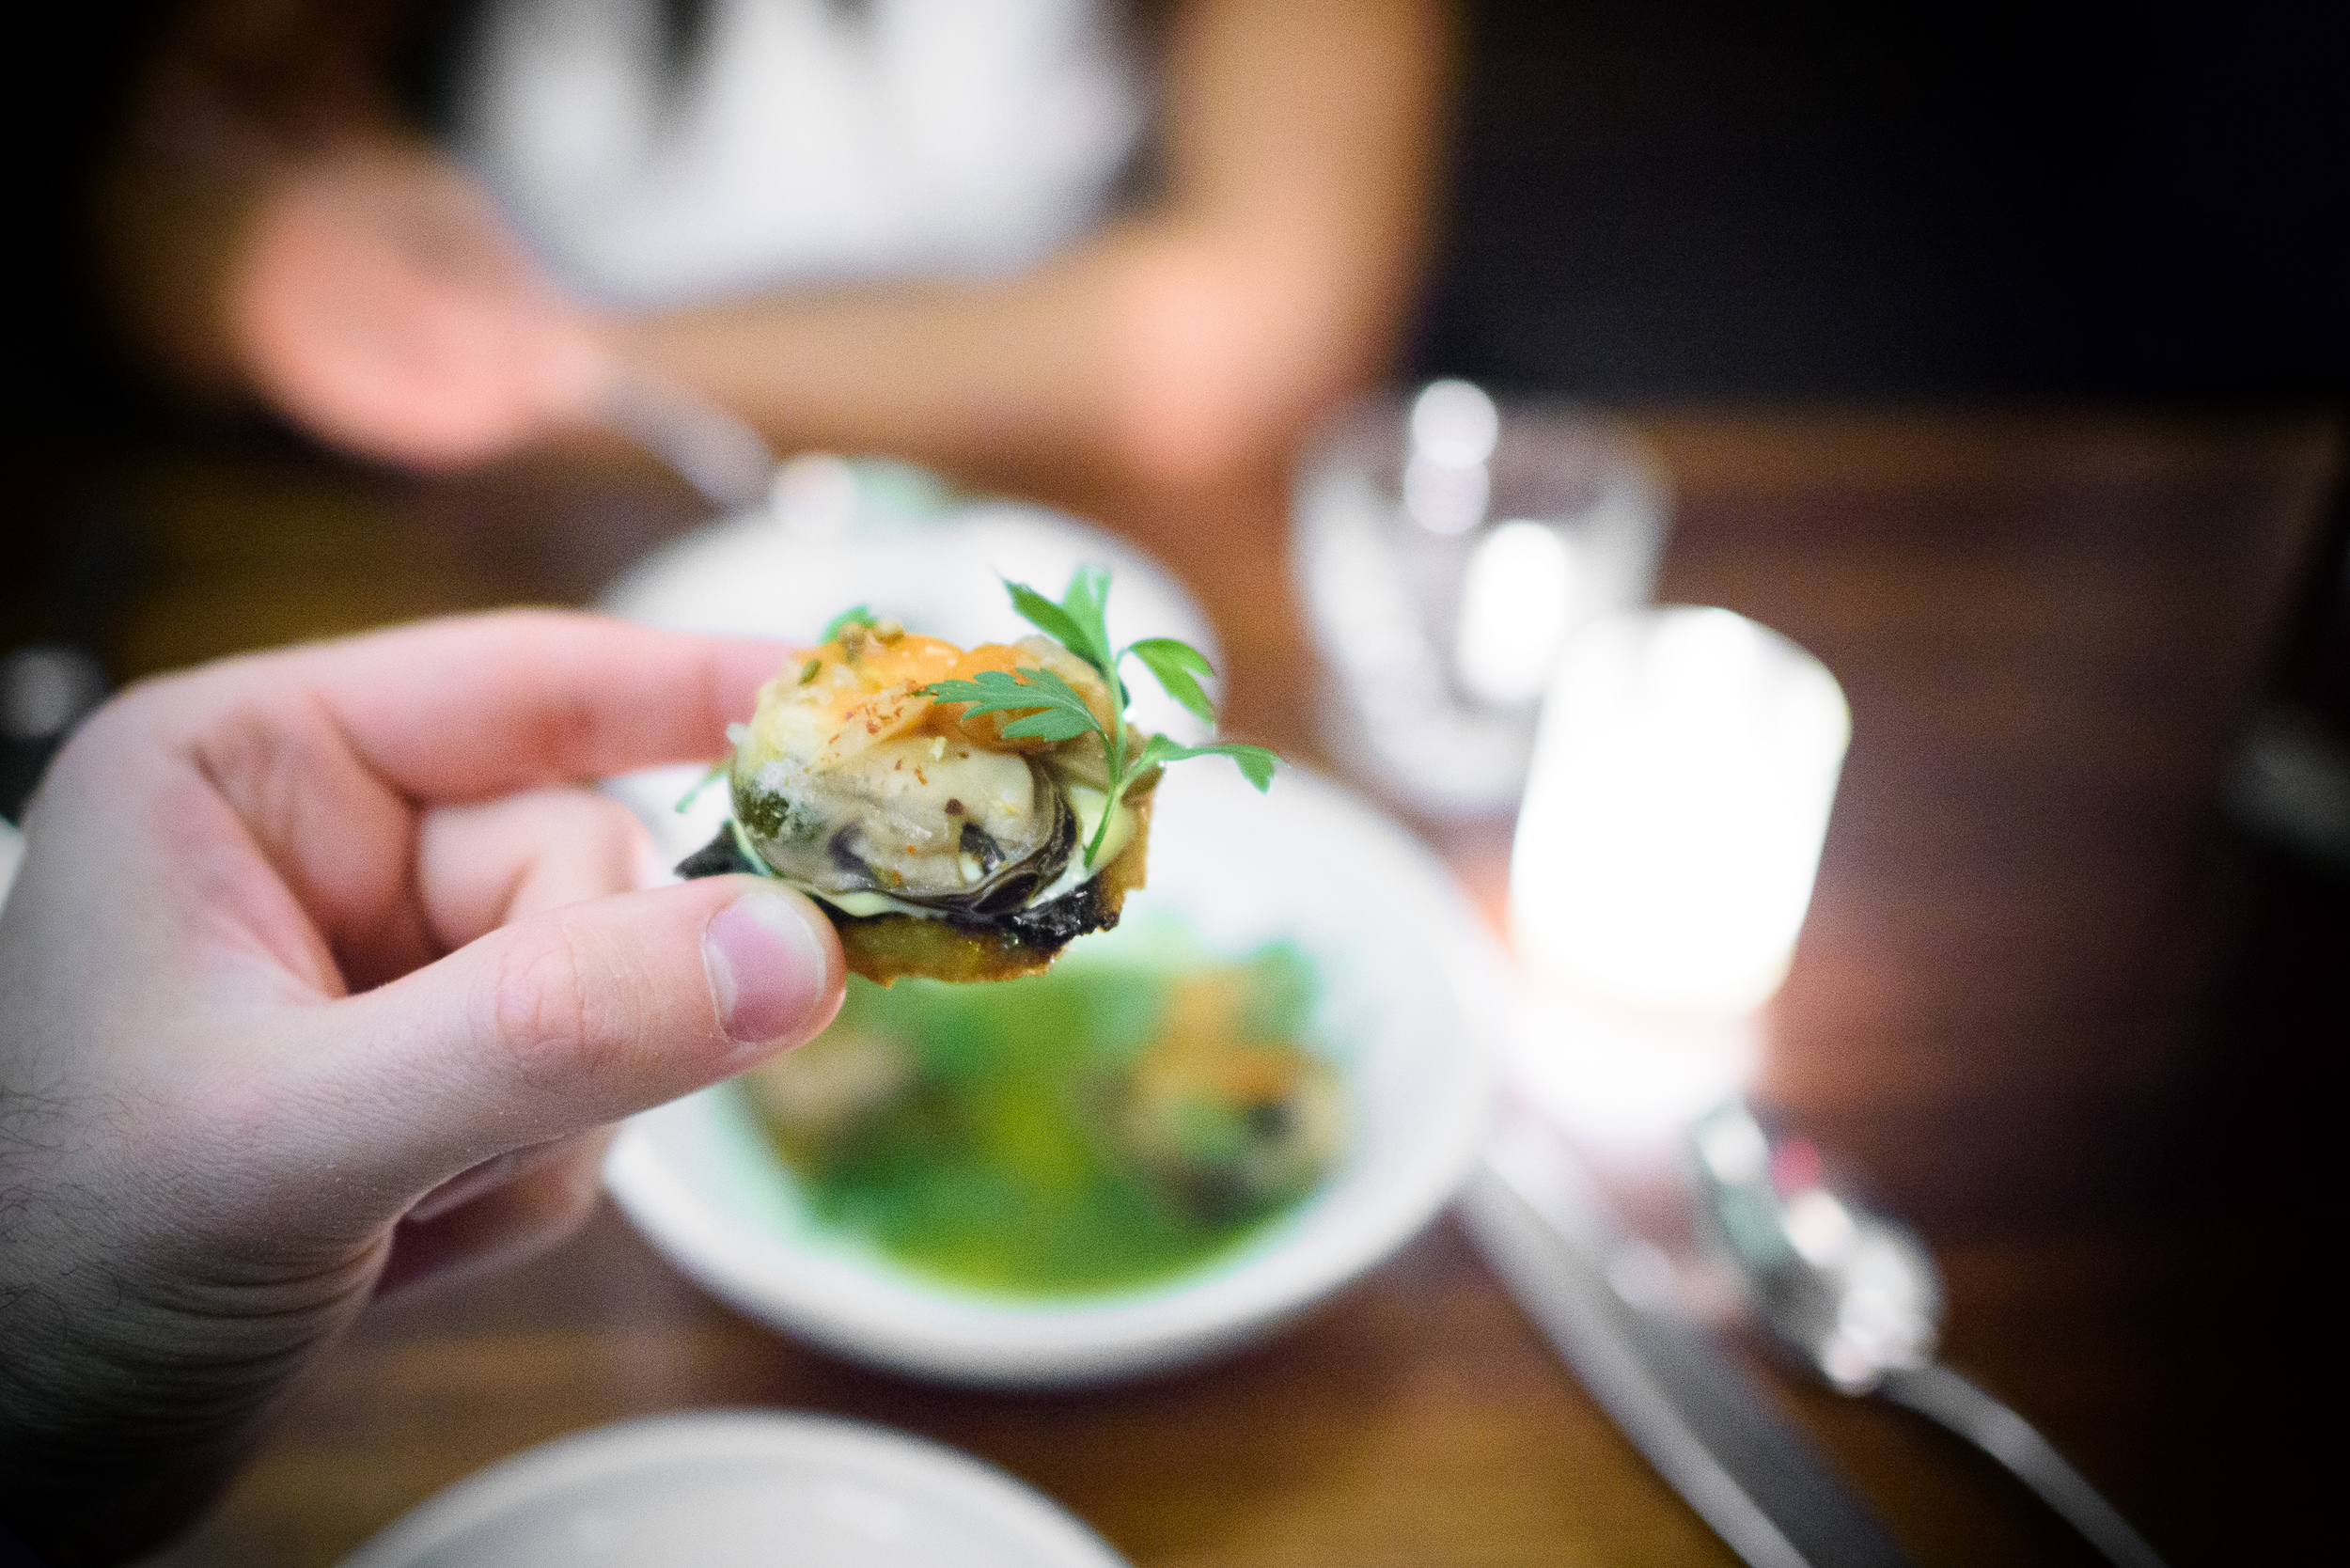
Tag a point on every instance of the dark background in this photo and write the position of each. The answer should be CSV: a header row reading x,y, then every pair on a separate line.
x,y
1680,202
1691,203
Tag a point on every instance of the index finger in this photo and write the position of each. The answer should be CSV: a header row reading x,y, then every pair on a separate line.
x,y
479,706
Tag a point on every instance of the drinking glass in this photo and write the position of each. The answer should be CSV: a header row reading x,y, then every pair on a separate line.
x,y
1447,548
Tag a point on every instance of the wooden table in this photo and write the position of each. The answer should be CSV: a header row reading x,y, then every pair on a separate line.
x,y
2037,1003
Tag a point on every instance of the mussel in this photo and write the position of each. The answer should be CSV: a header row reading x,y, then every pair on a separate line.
x,y
938,844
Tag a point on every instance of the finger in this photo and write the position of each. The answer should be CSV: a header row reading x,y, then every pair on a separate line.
x,y
475,707
512,1219
255,824
559,1023
482,867
322,754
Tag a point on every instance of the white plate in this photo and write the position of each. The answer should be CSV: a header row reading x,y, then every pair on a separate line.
x,y
737,1489
1411,987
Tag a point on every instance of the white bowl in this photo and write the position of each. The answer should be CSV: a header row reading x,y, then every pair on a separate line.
x,y
1411,987
735,1489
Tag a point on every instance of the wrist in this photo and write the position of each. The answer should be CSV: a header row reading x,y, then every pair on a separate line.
x,y
127,1401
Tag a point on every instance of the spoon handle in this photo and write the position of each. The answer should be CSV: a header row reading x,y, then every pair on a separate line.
x,y
721,457
1943,1396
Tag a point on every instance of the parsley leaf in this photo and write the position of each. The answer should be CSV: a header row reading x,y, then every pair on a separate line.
x,y
1255,762
1177,665
1048,618
1086,603
1077,622
854,615
1051,708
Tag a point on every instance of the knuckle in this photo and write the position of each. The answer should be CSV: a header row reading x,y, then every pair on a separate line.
x,y
546,1019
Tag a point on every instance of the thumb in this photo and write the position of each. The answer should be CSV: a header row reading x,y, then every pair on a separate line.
x,y
568,1020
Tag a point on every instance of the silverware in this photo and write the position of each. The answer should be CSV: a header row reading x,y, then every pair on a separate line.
x,y
1603,1301
1857,1297
720,456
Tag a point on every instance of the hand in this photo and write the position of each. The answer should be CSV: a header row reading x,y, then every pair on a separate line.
x,y
382,302
318,979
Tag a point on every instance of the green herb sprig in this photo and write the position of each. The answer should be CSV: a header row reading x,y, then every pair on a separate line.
x,y
1051,710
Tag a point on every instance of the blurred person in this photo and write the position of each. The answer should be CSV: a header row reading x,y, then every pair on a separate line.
x,y
318,978
893,225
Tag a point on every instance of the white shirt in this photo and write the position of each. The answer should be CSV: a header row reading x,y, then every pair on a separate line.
x,y
807,141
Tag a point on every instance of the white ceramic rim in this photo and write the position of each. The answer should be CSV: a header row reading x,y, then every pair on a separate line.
x,y
1044,1534
750,575
935,1330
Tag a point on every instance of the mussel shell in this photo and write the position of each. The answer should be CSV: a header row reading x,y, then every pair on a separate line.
x,y
1006,886
1011,884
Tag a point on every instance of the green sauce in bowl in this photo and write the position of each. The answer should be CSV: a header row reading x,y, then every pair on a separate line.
x,y
1117,1122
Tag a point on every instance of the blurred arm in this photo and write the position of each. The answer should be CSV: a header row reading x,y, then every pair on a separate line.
x,y
1270,279
234,97
272,227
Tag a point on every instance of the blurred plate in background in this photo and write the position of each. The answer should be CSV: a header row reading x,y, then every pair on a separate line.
x,y
733,1490
886,537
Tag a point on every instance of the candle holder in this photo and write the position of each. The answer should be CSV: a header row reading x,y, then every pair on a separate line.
x,y
1672,824
1684,769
